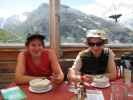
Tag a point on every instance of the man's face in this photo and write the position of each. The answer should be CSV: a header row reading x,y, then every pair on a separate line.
x,y
95,44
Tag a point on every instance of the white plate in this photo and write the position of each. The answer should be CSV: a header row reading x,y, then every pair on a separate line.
x,y
41,91
100,86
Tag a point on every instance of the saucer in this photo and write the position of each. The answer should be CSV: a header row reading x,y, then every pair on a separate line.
x,y
41,90
100,86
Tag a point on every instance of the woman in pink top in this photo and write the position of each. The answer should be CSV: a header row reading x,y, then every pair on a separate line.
x,y
37,62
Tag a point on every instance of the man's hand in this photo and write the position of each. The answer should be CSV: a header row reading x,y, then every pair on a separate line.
x,y
87,78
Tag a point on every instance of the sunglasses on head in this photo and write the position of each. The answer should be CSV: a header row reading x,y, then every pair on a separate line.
x,y
98,44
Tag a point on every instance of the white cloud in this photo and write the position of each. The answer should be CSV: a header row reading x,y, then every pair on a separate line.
x,y
16,7
104,8
5,13
22,17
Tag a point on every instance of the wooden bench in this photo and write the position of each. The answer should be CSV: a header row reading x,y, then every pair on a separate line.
x,y
7,72
7,66
8,61
7,69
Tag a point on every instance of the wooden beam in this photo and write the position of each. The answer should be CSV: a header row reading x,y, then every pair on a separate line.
x,y
54,25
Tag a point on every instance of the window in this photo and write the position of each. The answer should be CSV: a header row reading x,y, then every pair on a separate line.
x,y
112,16
19,17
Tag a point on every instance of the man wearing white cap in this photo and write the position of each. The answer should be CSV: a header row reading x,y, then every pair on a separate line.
x,y
95,60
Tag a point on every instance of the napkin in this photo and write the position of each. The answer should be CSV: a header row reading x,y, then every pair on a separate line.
x,y
94,95
13,93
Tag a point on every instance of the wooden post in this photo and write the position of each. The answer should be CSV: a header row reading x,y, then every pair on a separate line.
x,y
54,25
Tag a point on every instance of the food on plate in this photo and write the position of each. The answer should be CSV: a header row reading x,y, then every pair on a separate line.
x,y
101,80
39,83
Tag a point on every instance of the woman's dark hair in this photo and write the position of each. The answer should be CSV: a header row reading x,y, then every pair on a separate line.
x,y
31,37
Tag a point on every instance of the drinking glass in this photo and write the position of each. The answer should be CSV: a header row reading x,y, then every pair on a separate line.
x,y
73,85
127,75
129,86
128,81
119,92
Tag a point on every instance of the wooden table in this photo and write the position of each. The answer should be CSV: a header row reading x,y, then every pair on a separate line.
x,y
61,93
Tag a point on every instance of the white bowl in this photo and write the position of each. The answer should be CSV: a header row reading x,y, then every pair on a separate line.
x,y
100,85
101,79
39,83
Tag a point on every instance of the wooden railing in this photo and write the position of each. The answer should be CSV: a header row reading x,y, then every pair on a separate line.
x,y
8,56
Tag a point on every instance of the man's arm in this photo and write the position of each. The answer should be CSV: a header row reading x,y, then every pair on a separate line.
x,y
111,67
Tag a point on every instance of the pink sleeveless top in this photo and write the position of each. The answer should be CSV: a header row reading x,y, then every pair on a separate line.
x,y
43,69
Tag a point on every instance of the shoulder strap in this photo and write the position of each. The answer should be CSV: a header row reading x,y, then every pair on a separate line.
x,y
106,50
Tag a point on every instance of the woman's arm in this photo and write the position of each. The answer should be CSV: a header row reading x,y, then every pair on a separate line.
x,y
111,67
20,76
57,76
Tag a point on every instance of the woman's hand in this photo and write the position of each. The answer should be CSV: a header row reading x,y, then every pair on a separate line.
x,y
55,78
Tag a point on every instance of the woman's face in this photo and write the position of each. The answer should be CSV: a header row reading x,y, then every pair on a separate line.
x,y
35,47
96,44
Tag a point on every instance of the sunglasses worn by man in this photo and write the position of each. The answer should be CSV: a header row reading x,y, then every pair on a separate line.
x,y
97,44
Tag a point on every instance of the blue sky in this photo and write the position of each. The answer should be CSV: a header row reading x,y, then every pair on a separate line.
x,y
76,2
21,4
10,7
102,8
